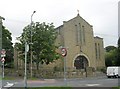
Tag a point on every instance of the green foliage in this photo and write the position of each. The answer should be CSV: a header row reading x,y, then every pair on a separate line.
x,y
20,48
118,56
111,56
43,42
119,42
7,45
118,87
49,87
103,69
109,48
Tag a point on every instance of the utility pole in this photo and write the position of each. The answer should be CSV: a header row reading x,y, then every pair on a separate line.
x,y
1,18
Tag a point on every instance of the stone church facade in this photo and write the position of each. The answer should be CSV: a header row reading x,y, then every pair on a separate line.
x,y
83,49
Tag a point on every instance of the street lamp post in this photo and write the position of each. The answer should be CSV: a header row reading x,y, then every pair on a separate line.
x,y
1,18
31,53
26,50
25,75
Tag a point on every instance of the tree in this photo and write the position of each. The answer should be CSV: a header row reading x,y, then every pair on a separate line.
x,y
109,48
119,42
43,42
7,45
20,48
118,56
111,56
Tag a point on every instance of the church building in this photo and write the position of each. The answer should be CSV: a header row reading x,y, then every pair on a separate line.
x,y
83,49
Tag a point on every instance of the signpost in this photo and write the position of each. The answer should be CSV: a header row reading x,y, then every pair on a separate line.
x,y
3,54
64,53
3,60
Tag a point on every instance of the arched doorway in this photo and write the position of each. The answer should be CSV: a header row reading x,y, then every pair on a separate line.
x,y
81,62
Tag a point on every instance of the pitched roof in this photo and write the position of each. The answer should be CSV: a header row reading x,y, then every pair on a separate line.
x,y
78,16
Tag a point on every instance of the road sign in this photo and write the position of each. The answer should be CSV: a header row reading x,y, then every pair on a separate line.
x,y
63,52
27,48
3,55
3,59
3,52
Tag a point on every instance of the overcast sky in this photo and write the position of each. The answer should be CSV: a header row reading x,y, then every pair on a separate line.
x,y
102,14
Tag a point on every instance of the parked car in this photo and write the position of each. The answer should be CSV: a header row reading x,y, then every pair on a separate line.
x,y
113,71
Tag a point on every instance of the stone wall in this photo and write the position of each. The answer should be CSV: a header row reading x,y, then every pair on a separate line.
x,y
52,73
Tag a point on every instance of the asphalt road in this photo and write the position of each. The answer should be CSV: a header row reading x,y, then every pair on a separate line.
x,y
85,82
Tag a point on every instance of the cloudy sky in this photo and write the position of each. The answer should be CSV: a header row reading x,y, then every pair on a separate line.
x,y
102,14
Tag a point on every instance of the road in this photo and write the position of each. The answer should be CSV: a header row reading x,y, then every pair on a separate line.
x,y
83,82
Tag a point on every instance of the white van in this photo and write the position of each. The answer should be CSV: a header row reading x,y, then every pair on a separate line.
x,y
113,71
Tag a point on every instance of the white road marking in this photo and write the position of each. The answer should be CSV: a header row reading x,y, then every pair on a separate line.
x,y
9,84
92,85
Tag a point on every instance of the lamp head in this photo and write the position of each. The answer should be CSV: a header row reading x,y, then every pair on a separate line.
x,y
2,18
34,11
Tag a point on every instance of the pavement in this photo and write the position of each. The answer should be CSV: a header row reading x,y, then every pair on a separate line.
x,y
42,81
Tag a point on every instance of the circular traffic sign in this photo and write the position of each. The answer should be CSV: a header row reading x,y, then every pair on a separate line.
x,y
3,52
63,52
3,59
